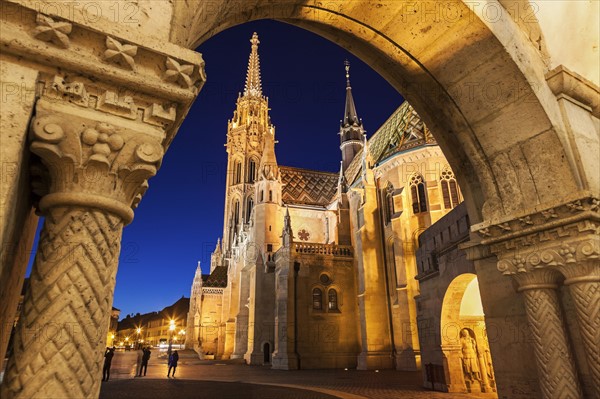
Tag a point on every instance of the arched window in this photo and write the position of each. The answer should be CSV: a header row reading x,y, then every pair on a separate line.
x,y
262,196
317,299
236,212
237,172
270,195
251,171
417,192
332,300
449,189
249,206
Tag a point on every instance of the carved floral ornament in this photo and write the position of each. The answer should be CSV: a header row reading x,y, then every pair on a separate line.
x,y
91,163
120,53
49,30
568,254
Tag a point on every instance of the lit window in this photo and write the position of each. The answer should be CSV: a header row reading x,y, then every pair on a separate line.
x,y
238,172
417,192
449,189
251,171
333,300
317,299
250,205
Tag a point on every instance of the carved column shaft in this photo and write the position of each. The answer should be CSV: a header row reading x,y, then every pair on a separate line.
x,y
553,355
63,326
92,173
583,280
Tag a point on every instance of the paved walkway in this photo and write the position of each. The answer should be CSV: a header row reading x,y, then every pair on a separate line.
x,y
233,380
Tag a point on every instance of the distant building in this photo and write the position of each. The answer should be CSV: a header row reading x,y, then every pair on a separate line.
x,y
154,328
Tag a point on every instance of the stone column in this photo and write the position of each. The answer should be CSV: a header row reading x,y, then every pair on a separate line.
x,y
556,368
542,250
92,173
581,266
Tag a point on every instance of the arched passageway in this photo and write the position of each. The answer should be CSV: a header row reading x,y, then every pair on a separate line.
x,y
518,135
467,359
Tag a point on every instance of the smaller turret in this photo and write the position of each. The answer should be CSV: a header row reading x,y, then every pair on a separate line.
x,y
351,127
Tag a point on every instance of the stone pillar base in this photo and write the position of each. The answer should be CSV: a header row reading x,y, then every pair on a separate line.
x,y
284,361
408,360
375,361
254,358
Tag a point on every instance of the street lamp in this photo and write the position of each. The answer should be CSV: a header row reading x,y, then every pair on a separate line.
x,y
139,330
171,329
112,338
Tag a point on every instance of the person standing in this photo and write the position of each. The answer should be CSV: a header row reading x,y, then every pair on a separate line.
x,y
140,356
173,359
108,355
145,359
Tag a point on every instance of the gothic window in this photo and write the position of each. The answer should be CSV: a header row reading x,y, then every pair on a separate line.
x,y
449,189
262,195
237,170
332,300
236,212
249,206
251,171
270,195
417,192
317,299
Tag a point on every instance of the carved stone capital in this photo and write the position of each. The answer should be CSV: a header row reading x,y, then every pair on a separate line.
x,y
92,159
573,257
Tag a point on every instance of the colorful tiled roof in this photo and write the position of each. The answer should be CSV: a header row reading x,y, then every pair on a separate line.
x,y
218,278
403,130
307,187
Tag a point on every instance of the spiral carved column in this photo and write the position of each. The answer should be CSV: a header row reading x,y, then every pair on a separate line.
x,y
92,173
583,280
553,355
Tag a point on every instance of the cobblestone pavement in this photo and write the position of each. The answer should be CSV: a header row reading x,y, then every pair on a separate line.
x,y
232,380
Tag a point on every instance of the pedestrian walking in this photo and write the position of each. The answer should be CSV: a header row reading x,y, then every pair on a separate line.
x,y
173,359
140,356
108,355
145,359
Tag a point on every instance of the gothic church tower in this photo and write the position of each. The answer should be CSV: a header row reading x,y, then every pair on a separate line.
x,y
246,133
351,127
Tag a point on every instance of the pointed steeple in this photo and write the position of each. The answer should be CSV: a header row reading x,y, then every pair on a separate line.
x,y
253,86
342,187
218,247
351,127
350,115
287,235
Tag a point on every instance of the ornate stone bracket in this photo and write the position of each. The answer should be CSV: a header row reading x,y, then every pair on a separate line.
x,y
542,250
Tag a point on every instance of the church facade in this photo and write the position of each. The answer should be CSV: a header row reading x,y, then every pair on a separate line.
x,y
317,269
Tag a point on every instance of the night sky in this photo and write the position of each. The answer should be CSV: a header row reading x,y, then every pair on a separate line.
x,y
181,215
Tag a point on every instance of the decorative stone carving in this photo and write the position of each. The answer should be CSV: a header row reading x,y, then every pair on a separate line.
x,y
179,73
49,30
539,251
120,53
558,378
96,171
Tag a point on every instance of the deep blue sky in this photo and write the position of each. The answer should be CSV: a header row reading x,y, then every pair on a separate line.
x,y
181,215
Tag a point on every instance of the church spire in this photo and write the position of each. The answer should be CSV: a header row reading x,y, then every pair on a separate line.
x,y
253,86
350,115
351,128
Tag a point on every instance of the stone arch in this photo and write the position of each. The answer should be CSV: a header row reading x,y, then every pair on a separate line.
x,y
462,311
463,76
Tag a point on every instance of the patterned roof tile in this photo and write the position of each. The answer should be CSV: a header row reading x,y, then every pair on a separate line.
x,y
308,187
